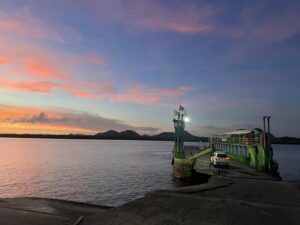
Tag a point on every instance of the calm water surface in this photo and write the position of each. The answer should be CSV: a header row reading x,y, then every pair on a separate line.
x,y
98,171
288,157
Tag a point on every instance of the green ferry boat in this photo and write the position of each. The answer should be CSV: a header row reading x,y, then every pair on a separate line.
x,y
250,147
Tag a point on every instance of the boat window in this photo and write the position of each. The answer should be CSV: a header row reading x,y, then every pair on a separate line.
x,y
222,155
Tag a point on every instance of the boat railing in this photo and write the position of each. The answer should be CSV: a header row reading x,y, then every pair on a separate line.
x,y
240,141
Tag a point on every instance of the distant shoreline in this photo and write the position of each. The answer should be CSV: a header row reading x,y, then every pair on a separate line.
x,y
160,137
75,137
110,135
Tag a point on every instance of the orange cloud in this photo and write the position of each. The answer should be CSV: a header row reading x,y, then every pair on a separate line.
x,y
36,120
9,111
21,128
3,61
33,120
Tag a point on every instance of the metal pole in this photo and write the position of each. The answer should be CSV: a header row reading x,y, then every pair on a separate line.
x,y
264,119
269,132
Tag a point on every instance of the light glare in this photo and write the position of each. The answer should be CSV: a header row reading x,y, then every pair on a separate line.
x,y
186,119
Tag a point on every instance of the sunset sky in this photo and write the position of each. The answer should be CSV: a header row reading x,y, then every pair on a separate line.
x,y
84,66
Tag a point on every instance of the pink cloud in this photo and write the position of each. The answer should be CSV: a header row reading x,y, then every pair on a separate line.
x,y
173,92
182,21
137,94
254,23
30,61
155,16
24,24
78,92
46,87
92,59
39,68
28,67
249,21
147,95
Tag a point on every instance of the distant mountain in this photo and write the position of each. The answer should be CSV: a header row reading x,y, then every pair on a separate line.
x,y
132,135
107,134
123,135
169,136
285,140
164,136
112,134
129,134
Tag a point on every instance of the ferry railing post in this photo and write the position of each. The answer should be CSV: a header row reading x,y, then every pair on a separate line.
x,y
270,153
264,139
269,132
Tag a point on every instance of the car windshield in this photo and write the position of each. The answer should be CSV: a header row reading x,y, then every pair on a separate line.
x,y
222,155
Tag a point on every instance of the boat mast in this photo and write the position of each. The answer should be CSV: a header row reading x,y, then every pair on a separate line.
x,y
179,126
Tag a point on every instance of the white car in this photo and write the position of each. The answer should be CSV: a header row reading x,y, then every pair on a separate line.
x,y
219,158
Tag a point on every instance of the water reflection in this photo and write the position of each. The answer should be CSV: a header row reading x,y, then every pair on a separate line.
x,y
101,172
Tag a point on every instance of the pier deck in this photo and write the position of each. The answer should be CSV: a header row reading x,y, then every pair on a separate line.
x,y
236,169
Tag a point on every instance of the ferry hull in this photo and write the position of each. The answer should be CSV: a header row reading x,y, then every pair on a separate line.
x,y
183,168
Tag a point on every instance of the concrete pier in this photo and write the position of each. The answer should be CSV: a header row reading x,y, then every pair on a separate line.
x,y
39,211
238,195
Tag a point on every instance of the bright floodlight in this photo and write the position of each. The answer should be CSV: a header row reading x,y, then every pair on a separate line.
x,y
186,119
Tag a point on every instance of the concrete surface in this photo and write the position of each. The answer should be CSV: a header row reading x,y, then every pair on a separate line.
x,y
38,211
222,201
238,195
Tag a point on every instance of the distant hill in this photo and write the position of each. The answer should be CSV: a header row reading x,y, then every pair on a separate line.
x,y
286,140
132,135
107,134
123,135
169,136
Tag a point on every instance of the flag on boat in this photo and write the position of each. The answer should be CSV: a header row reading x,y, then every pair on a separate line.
x,y
181,108
176,113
